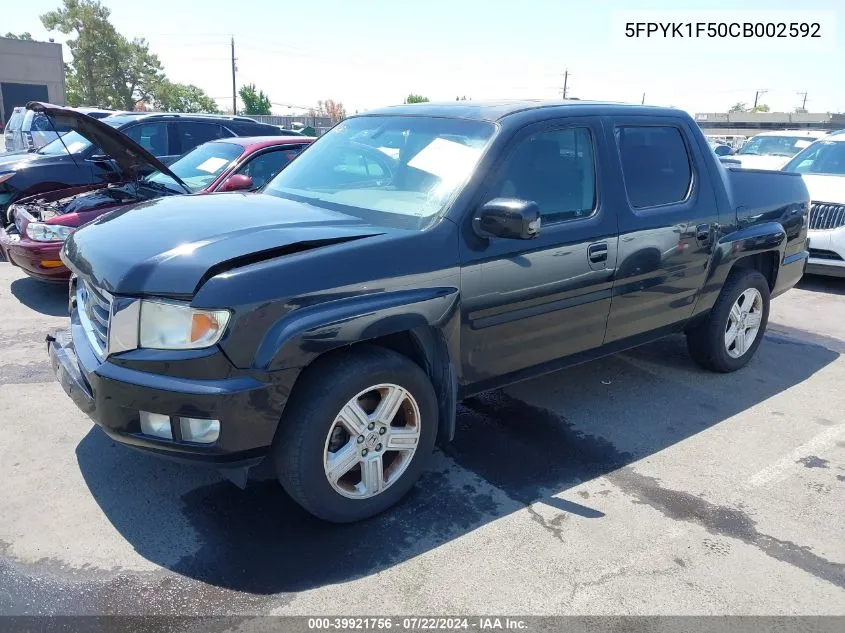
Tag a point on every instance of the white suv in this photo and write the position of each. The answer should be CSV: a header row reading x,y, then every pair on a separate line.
x,y
822,165
772,150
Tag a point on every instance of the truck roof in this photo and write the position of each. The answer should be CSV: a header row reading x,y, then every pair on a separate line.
x,y
496,110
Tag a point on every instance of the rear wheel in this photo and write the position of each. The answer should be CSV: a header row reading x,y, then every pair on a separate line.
x,y
730,336
356,433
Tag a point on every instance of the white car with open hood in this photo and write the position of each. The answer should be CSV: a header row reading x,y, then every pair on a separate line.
x,y
772,150
822,166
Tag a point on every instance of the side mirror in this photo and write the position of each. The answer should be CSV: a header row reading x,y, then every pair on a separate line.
x,y
509,218
237,182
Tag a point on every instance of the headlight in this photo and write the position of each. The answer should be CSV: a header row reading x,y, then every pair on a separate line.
x,y
41,232
179,326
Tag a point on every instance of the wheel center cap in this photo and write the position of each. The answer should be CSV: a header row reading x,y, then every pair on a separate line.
x,y
371,440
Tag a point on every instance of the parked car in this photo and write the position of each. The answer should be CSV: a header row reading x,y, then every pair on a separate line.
x,y
332,321
73,161
720,149
822,165
772,150
29,130
41,223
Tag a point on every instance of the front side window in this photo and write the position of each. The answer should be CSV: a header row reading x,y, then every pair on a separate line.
x,y
823,157
775,145
398,169
199,168
262,168
151,136
555,169
655,165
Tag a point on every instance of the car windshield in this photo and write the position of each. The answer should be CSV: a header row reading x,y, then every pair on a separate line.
x,y
396,170
775,145
200,167
822,157
74,141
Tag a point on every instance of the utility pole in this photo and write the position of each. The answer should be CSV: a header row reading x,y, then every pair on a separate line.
x,y
804,102
757,95
643,101
565,81
234,91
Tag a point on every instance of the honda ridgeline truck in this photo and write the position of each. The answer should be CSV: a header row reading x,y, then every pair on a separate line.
x,y
408,259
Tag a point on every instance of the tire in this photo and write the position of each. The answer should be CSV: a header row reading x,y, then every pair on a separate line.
x,y
708,342
311,426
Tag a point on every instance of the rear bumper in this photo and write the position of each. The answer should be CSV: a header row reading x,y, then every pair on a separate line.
x,y
791,270
112,395
29,256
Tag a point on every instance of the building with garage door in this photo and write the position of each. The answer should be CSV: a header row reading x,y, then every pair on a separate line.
x,y
30,71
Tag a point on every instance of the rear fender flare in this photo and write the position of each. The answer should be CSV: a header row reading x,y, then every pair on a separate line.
x,y
759,238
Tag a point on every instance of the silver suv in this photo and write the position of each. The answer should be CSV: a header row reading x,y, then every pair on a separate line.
x,y
28,130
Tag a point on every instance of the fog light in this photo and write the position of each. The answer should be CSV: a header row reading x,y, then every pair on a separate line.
x,y
156,424
196,430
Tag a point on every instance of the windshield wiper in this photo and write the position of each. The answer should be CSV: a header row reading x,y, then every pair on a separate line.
x,y
157,186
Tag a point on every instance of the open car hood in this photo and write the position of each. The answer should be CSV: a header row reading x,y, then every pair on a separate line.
x,y
130,157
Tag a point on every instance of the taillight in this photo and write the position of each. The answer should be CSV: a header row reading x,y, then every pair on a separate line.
x,y
28,142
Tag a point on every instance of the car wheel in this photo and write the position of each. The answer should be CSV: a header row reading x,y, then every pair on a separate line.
x,y
730,336
356,433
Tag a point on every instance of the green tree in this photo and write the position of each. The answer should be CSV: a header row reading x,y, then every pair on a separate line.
x,y
107,69
176,97
255,101
739,106
22,36
760,108
412,98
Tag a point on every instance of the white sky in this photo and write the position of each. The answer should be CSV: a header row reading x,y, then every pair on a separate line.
x,y
370,53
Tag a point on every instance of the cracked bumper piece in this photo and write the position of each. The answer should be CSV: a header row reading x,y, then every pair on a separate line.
x,y
114,392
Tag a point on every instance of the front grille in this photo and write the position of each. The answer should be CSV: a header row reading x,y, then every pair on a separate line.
x,y
825,216
94,308
817,253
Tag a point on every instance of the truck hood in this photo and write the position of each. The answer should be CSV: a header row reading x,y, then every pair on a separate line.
x,y
130,157
752,161
824,188
169,247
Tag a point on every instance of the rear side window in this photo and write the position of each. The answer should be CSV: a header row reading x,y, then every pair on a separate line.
x,y
151,136
655,165
192,134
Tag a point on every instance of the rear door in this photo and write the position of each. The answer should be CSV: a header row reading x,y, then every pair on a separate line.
x,y
191,134
667,222
154,137
530,302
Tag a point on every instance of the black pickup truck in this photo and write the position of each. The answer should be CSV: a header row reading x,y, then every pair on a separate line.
x,y
410,258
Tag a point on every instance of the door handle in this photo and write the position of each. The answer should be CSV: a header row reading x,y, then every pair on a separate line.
x,y
702,234
597,253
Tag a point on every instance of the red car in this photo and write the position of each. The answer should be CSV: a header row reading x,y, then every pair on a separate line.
x,y
40,224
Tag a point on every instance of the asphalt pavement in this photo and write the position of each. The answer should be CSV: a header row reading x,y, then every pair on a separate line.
x,y
637,484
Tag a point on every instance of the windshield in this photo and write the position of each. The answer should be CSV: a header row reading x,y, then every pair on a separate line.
x,y
199,167
74,141
396,170
822,157
775,145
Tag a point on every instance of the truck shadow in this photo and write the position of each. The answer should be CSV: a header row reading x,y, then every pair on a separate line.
x,y
46,298
819,283
507,454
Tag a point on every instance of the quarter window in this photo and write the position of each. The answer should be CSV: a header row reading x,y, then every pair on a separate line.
x,y
555,169
655,165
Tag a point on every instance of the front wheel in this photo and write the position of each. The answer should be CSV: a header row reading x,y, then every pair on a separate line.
x,y
730,336
356,434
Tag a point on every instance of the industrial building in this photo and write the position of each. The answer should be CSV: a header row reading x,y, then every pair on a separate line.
x,y
30,71
749,124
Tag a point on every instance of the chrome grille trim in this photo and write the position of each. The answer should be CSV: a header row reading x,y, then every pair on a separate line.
x,y
94,306
826,216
